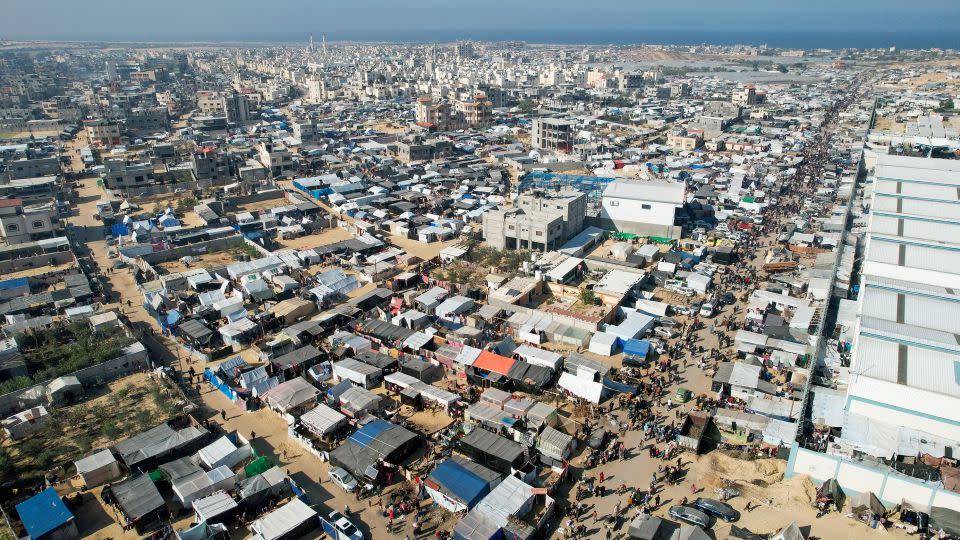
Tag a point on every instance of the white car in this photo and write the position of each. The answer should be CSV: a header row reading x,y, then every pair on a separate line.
x,y
343,479
346,530
706,310
664,332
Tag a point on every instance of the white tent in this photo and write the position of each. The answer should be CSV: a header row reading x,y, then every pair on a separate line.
x,y
283,521
581,387
98,468
603,344
322,420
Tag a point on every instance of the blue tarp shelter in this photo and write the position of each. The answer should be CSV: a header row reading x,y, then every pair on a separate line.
x,y
636,347
45,513
120,229
463,484
173,317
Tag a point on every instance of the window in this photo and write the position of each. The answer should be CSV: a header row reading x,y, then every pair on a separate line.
x,y
539,233
38,224
13,227
510,227
614,203
645,206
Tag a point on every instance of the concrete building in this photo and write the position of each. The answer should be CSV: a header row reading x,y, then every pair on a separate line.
x,y
554,134
422,149
644,208
476,112
30,190
211,165
745,96
539,222
433,114
275,157
103,131
27,161
148,120
684,139
236,106
122,174
210,103
19,223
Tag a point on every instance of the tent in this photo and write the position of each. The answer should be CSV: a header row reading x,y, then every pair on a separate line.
x,y
291,394
830,491
289,521
554,444
491,450
45,516
458,484
646,527
98,468
603,343
690,532
790,532
946,519
139,500
218,507
866,504
256,489
322,420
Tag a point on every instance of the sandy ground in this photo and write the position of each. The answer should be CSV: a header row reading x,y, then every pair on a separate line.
x,y
328,236
216,259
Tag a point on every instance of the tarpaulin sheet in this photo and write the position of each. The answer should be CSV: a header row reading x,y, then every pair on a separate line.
x,y
462,483
636,347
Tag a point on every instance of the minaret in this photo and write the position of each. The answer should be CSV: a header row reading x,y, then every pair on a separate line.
x,y
324,43
310,48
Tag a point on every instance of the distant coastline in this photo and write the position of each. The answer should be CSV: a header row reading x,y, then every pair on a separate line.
x,y
776,39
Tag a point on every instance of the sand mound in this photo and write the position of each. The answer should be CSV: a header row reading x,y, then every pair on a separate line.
x,y
760,481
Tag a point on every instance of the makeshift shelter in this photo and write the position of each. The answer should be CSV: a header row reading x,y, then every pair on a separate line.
x,y
492,451
292,395
377,360
218,507
259,487
322,420
946,519
359,373
865,506
139,502
172,471
646,527
202,483
830,492
45,516
223,451
603,344
690,532
790,532
458,484
495,397
356,401
296,362
98,468
372,443
292,520
422,370
204,531
554,445
159,444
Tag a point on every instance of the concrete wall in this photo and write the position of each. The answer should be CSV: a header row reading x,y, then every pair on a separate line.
x,y
36,261
199,248
135,360
888,485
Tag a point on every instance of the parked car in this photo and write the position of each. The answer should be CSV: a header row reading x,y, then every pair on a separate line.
x,y
345,527
706,310
657,346
667,321
664,332
683,395
692,309
718,509
690,515
598,439
343,479
728,298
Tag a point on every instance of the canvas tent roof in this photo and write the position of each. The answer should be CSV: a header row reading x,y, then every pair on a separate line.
x,y
492,444
213,505
464,479
322,419
156,442
94,461
283,520
645,527
866,501
137,497
179,468
554,443
790,532
690,532
290,394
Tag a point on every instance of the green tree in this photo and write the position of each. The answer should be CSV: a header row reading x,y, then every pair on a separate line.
x,y
587,296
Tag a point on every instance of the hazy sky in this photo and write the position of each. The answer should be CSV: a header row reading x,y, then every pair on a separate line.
x,y
347,19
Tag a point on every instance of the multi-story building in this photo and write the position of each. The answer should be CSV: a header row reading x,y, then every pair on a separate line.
x,y
148,120
211,165
236,107
433,115
122,173
540,222
210,103
19,223
745,96
422,149
554,134
477,111
684,139
102,131
27,160
276,158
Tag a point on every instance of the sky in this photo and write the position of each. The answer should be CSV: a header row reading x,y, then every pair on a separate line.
x,y
292,20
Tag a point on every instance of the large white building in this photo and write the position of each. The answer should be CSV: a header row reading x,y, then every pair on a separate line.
x,y
646,208
905,369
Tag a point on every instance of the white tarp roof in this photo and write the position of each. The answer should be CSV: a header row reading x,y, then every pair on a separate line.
x,y
322,419
213,454
95,461
282,520
581,387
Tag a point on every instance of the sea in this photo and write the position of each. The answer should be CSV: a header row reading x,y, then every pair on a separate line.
x,y
778,39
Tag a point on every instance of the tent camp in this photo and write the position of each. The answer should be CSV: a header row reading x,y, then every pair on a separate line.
x,y
491,450
98,468
554,444
690,532
865,505
830,492
223,452
202,483
139,502
292,520
946,519
372,443
257,488
790,532
458,484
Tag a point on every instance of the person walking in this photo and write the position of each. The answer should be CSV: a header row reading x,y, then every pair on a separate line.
x,y
223,415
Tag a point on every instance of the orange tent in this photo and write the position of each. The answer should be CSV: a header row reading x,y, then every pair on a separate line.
x,y
494,362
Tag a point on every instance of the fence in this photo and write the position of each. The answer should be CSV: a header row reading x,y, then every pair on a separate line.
x,y
887,484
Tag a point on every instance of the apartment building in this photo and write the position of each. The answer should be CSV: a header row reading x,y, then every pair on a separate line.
x,y
644,208
556,134
422,149
745,96
148,120
211,165
210,103
236,106
539,222
27,160
432,114
122,174
276,158
477,111
19,223
102,131
683,139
